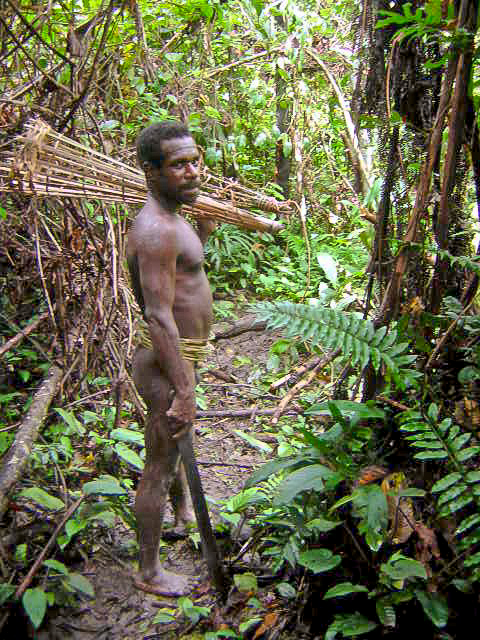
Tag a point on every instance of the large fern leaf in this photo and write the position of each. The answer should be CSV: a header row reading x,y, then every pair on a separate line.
x,y
442,440
333,329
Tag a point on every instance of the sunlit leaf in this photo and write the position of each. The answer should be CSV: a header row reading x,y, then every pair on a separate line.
x,y
35,604
318,560
42,498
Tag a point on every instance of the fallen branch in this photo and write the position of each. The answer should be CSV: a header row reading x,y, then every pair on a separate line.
x,y
207,463
250,323
242,413
43,554
17,457
304,382
294,375
22,334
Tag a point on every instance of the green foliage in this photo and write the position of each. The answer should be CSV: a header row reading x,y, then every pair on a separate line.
x,y
355,337
349,625
435,439
192,611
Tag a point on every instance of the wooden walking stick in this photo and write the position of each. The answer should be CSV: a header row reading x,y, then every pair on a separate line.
x,y
209,544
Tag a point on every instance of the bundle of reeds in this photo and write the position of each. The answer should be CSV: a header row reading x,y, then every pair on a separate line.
x,y
50,164
241,196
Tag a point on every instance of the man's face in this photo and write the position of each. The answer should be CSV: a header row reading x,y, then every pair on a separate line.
x,y
178,178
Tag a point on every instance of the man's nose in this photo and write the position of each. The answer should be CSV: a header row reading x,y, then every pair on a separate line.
x,y
191,169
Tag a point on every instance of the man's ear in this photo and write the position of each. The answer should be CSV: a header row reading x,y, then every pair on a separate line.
x,y
148,169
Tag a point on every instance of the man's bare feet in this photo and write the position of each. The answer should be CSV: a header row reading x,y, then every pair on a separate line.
x,y
164,583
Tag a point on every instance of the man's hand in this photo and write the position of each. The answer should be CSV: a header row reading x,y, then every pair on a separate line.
x,y
205,227
181,415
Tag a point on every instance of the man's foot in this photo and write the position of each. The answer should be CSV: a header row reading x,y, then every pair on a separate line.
x,y
164,583
185,522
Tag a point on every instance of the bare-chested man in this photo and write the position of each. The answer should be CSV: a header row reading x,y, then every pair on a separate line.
x,y
165,258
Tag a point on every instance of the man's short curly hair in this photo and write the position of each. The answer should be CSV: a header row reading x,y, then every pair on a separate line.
x,y
149,147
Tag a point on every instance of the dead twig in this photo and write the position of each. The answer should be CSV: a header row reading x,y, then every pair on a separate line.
x,y
22,334
443,339
304,382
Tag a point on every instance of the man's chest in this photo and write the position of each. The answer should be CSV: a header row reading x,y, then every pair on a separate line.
x,y
189,248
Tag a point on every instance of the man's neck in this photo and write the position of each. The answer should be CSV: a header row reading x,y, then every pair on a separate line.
x,y
166,204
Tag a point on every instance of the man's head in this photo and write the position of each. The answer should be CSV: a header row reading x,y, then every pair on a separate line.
x,y
167,153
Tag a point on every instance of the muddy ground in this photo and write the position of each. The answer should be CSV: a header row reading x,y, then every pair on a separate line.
x,y
120,612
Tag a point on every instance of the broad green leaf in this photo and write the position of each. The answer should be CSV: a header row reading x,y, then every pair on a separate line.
x,y
79,583
402,568
321,524
435,606
318,560
74,525
57,566
254,442
274,466
286,590
343,589
311,477
468,374
329,266
35,604
248,624
42,498
246,582
377,509
6,590
71,421
349,625
128,435
473,476
129,456
104,486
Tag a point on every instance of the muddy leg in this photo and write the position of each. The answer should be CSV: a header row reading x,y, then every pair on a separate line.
x,y
162,461
179,489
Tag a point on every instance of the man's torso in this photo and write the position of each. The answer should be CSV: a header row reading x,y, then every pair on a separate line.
x,y
192,306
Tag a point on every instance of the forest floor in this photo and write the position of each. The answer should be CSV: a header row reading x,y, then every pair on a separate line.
x,y
119,611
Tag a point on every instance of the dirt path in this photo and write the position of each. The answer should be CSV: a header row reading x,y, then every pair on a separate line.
x,y
120,612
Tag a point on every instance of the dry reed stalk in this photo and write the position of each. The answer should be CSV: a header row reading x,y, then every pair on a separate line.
x,y
50,164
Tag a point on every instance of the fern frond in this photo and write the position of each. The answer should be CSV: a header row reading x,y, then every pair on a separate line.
x,y
460,487
334,329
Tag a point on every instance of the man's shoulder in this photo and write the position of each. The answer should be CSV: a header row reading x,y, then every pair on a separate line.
x,y
152,229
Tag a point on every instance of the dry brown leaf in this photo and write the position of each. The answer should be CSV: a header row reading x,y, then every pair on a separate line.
x,y
370,474
268,622
400,510
428,540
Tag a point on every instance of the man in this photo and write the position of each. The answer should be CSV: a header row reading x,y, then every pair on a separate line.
x,y
165,258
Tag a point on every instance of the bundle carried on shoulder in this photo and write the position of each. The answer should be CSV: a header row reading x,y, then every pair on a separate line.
x,y
49,164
